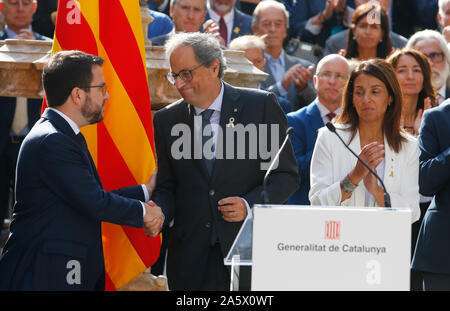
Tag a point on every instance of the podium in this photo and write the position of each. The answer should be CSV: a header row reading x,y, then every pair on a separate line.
x,y
324,248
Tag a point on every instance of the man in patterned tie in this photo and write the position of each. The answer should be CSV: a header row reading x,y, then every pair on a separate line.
x,y
329,81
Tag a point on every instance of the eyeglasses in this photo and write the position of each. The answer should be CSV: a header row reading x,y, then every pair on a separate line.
x,y
326,75
185,75
436,57
102,86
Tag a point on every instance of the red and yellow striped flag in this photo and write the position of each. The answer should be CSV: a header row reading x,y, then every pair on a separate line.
x,y
121,145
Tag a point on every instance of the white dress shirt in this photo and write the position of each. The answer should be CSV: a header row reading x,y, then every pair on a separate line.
x,y
215,120
228,19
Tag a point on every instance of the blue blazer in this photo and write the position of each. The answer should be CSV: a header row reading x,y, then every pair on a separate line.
x,y
432,252
60,204
306,123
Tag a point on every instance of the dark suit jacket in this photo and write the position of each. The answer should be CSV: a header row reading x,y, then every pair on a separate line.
x,y
297,99
432,252
189,196
306,122
60,204
338,42
242,24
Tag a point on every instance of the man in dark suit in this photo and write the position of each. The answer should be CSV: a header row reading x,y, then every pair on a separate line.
x,y
18,115
432,254
289,76
232,22
329,81
55,241
209,189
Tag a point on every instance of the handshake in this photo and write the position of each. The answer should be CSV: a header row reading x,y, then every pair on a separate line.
x,y
153,219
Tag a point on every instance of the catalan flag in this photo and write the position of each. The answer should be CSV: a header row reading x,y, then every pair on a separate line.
x,y
121,145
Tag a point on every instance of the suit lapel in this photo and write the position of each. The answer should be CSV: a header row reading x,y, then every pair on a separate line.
x,y
65,128
230,114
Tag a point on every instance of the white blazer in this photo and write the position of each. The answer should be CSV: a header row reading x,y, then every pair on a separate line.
x,y
331,162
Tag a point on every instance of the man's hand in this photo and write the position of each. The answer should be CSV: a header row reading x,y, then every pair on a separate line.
x,y
153,219
233,209
210,27
298,75
25,34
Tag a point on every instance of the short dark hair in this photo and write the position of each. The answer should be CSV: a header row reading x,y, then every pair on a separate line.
x,y
65,71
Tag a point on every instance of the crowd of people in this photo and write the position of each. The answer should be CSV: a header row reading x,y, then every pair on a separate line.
x,y
378,70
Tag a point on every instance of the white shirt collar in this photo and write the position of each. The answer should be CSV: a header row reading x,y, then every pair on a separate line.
x,y
11,34
216,104
228,18
72,124
324,110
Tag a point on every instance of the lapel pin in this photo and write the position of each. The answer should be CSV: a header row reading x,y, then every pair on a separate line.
x,y
230,122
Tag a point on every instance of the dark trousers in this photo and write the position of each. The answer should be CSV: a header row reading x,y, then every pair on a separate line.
x,y
436,281
8,161
416,279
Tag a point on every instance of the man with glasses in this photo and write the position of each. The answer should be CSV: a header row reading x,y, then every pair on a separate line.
x,y
329,81
55,241
289,76
433,45
17,115
209,194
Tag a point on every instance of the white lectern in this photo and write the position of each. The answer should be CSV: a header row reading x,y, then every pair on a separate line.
x,y
324,248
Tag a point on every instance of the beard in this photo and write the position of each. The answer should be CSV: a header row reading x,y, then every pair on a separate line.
x,y
222,8
91,113
440,77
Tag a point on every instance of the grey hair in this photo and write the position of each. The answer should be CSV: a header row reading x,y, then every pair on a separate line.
x,y
205,45
429,34
174,3
266,4
247,42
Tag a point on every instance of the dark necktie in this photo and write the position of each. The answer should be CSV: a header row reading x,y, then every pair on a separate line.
x,y
223,31
331,116
86,152
209,161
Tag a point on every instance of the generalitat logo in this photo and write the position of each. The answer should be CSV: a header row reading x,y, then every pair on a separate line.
x,y
332,230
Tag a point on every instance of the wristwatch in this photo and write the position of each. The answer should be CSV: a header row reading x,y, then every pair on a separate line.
x,y
347,186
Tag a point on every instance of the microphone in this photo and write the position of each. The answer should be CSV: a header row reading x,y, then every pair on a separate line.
x,y
264,194
387,198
